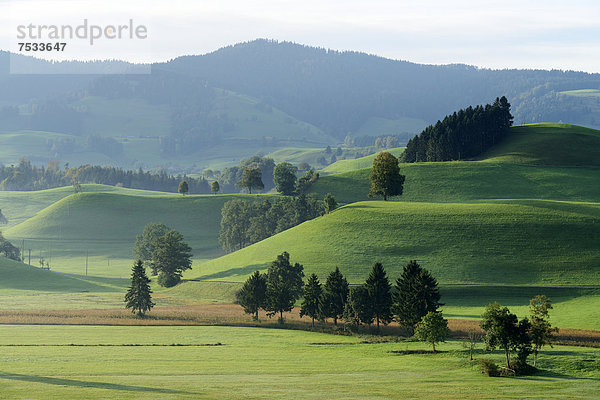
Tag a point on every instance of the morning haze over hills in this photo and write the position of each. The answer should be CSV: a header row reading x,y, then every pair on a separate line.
x,y
89,161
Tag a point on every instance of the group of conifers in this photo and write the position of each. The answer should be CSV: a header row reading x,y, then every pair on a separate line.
x,y
276,291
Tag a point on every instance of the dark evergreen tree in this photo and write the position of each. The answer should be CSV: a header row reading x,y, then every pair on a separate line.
x,y
379,289
385,177
463,134
335,295
171,256
139,295
284,177
284,285
253,295
251,179
358,308
313,296
416,294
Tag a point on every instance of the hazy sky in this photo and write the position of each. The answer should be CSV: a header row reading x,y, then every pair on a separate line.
x,y
498,34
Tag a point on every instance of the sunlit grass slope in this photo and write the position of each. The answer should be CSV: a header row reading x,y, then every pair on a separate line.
x,y
105,226
548,144
355,164
543,161
507,242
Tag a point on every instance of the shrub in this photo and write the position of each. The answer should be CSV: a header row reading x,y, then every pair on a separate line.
x,y
489,368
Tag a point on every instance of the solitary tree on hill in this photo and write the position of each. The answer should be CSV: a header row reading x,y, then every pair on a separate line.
x,y
171,256
284,177
284,285
139,295
214,187
385,176
313,296
253,295
251,179
335,295
183,187
379,289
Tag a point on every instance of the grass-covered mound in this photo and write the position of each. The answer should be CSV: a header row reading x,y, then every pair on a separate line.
x,y
105,226
357,163
507,242
542,161
548,144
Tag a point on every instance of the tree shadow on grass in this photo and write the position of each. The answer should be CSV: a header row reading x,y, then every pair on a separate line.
x,y
87,384
232,272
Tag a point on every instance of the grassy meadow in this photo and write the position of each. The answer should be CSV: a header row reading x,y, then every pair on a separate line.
x,y
186,362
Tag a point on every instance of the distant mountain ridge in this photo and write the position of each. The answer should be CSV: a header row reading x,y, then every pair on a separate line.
x,y
324,92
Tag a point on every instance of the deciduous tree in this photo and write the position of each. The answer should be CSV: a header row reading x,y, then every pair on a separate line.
x,y
330,203
144,243
183,187
541,330
171,256
251,179
385,177
284,177
214,187
433,328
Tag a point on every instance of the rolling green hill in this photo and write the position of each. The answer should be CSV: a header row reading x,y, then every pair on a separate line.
x,y
548,144
105,225
356,164
18,276
543,161
508,242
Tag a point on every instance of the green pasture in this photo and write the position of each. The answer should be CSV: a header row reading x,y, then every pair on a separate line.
x,y
88,362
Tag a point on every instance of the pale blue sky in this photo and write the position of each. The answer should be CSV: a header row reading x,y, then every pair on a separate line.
x,y
496,34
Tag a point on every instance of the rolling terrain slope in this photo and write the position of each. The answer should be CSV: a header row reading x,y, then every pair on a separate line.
x,y
104,225
540,161
497,242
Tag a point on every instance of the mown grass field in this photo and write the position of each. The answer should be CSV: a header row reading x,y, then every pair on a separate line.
x,y
175,362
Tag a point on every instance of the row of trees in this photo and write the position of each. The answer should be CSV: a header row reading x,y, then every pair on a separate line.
x,y
244,223
464,134
413,297
25,176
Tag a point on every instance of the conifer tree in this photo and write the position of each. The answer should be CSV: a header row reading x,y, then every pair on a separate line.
x,y
284,285
335,295
379,289
416,294
138,297
313,296
253,295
